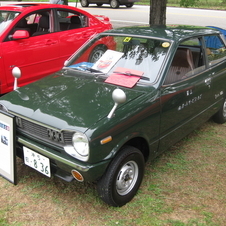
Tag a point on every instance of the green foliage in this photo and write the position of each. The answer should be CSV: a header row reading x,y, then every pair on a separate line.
x,y
187,3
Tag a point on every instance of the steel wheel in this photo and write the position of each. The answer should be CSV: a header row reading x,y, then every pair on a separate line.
x,y
114,4
220,116
84,3
224,110
97,52
127,178
123,177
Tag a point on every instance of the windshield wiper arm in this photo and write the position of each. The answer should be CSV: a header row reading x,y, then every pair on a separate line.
x,y
91,69
131,74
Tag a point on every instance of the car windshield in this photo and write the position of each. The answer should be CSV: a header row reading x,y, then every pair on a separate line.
x,y
122,55
6,18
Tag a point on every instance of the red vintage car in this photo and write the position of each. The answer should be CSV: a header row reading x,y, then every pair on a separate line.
x,y
38,38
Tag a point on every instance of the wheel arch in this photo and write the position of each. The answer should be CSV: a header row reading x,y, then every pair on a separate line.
x,y
141,144
138,142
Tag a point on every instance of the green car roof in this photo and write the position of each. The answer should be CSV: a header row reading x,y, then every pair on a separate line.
x,y
169,32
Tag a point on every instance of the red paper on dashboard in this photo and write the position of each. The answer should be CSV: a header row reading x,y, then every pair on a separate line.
x,y
124,77
122,80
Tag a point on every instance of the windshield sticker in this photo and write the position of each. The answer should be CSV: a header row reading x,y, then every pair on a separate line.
x,y
127,39
107,61
165,44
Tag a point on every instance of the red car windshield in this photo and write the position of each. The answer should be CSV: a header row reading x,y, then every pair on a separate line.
x,y
6,18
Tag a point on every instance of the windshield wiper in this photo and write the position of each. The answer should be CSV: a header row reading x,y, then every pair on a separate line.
x,y
91,69
131,74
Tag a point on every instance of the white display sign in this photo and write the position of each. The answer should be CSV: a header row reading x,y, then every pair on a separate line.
x,y
7,149
107,61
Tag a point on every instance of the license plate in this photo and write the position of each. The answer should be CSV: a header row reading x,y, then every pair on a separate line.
x,y
37,161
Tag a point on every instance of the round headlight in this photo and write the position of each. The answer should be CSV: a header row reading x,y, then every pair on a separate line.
x,y
3,108
80,144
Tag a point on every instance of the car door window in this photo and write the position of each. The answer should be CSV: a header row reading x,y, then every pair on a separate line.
x,y
40,23
215,49
33,24
6,18
70,20
188,61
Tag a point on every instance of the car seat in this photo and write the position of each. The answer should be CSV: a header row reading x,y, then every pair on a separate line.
x,y
75,22
182,64
43,26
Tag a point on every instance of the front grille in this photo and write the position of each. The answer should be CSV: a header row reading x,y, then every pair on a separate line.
x,y
43,133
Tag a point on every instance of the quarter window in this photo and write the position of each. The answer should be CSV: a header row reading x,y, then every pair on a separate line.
x,y
215,49
69,20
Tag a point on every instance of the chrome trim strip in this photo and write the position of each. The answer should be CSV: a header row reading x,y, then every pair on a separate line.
x,y
39,123
53,156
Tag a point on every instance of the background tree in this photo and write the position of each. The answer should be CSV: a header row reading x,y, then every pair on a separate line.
x,y
158,10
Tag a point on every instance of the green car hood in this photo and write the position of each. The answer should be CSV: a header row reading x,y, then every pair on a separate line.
x,y
65,102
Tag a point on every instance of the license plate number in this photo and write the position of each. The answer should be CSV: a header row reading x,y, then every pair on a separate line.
x,y
37,161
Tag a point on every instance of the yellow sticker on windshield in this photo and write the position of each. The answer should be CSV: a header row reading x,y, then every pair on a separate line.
x,y
127,39
165,44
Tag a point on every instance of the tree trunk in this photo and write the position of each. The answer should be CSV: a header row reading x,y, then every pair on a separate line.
x,y
157,12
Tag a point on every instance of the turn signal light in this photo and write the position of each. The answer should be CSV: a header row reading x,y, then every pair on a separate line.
x,y
78,176
106,140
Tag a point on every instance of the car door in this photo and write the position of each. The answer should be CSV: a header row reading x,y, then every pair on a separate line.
x,y
186,94
36,56
2,68
216,56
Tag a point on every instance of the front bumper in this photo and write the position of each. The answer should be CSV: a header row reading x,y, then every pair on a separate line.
x,y
62,165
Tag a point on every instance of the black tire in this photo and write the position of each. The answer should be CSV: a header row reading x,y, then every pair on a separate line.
x,y
99,4
122,179
84,3
129,5
96,53
220,116
114,4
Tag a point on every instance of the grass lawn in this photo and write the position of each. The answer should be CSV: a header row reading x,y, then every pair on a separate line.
x,y
183,187
205,4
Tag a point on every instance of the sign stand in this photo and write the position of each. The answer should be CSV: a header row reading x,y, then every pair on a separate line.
x,y
7,147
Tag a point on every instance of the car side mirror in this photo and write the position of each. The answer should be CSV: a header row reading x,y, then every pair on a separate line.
x,y
19,34
119,97
16,74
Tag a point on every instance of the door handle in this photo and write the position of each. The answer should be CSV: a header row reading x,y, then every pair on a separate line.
x,y
50,42
208,81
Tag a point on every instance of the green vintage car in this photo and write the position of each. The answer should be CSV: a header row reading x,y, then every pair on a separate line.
x,y
123,98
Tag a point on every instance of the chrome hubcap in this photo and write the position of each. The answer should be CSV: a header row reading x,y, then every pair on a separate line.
x,y
96,56
113,3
